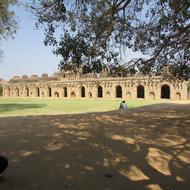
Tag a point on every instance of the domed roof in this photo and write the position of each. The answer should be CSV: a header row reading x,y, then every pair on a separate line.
x,y
44,75
16,77
25,76
34,76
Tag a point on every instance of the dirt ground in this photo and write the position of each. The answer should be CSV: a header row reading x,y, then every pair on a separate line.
x,y
143,148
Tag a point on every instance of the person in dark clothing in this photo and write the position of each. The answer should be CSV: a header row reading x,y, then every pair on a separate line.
x,y
3,164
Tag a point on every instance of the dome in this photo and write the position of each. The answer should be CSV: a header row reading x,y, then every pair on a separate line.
x,y
34,76
24,76
16,77
44,75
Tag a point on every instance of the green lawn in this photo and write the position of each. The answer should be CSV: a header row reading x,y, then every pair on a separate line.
x,y
46,106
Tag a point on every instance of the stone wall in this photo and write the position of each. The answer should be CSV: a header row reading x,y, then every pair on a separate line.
x,y
129,88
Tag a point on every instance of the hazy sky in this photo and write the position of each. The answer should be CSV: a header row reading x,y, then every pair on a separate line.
x,y
26,53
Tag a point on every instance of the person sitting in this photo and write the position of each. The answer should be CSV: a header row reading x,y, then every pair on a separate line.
x,y
3,164
123,105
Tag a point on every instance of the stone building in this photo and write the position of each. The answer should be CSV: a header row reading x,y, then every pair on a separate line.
x,y
76,85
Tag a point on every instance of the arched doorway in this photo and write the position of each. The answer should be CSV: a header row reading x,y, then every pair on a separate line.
x,y
140,91
27,92
56,94
108,95
1,90
151,96
165,91
83,92
178,96
65,91
100,92
73,95
37,92
90,94
118,91
16,92
49,92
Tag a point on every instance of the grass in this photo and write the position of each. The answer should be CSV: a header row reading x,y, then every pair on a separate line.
x,y
47,106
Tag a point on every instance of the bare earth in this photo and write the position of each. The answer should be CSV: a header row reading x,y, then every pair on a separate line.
x,y
143,148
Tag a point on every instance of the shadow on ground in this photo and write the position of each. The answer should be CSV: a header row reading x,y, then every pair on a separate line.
x,y
144,148
15,107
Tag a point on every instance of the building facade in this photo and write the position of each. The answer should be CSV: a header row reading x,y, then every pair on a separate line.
x,y
75,85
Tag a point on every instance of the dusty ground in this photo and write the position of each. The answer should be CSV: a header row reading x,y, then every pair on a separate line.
x,y
144,148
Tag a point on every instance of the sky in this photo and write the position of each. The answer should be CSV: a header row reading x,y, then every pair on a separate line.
x,y
26,54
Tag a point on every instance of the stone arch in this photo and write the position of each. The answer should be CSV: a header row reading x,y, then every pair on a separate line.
x,y
73,95
177,96
27,92
108,95
152,96
118,91
17,92
83,92
90,94
100,92
37,92
42,94
1,90
140,91
65,91
49,92
128,96
56,94
165,91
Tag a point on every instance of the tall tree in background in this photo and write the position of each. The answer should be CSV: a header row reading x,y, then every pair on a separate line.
x,y
8,23
94,32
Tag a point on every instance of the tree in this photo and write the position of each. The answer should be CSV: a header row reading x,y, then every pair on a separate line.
x,y
8,23
7,20
95,31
